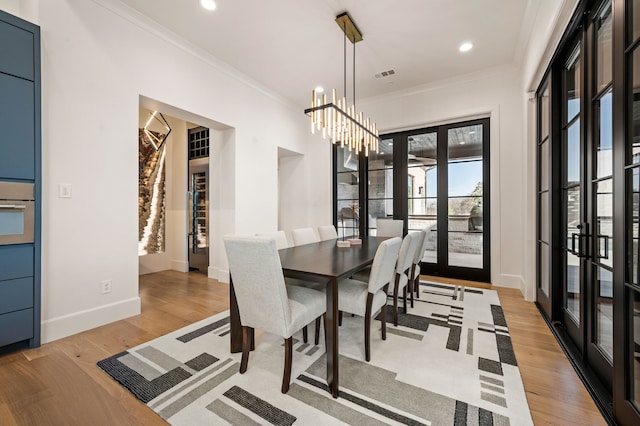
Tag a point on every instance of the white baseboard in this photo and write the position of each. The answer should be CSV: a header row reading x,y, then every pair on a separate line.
x,y
513,281
180,265
219,274
77,322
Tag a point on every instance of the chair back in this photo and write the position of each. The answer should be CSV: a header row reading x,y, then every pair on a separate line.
x,y
280,237
384,264
407,252
327,232
422,246
389,228
304,236
258,282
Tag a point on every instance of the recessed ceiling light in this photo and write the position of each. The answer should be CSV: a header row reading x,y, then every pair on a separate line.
x,y
465,47
319,89
208,4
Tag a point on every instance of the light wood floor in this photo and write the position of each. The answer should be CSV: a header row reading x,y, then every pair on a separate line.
x,y
60,384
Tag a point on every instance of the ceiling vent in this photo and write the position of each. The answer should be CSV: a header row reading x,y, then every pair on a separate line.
x,y
385,73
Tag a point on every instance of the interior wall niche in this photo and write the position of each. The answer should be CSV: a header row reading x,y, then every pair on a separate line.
x,y
151,185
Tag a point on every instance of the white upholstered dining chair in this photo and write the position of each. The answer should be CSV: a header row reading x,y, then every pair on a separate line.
x,y
327,232
303,236
264,301
403,267
415,269
389,228
280,237
366,298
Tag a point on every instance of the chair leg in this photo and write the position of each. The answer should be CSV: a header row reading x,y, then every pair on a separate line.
x,y
246,346
317,337
288,355
395,300
404,299
411,282
417,286
339,318
383,315
304,334
367,328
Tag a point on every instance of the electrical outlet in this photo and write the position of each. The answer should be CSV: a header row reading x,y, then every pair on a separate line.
x,y
105,286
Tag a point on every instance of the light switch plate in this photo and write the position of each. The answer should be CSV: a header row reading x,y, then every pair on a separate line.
x,y
64,190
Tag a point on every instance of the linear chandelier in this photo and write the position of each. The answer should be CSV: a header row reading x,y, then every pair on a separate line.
x,y
338,121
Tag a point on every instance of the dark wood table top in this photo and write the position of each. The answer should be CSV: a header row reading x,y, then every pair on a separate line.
x,y
325,260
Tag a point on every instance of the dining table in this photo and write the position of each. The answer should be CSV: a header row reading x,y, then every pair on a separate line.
x,y
322,262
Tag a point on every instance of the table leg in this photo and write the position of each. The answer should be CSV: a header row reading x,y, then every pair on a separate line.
x,y
332,336
234,320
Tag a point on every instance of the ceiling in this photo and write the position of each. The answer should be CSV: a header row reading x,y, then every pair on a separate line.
x,y
292,46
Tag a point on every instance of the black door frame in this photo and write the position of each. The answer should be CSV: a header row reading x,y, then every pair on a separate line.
x,y
615,401
400,196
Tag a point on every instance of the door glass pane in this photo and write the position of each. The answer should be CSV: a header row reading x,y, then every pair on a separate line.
x,y
544,165
634,354
544,268
604,222
633,228
348,193
544,217
572,203
603,48
634,140
380,184
572,173
604,311
465,197
572,290
572,296
422,173
572,85
604,153
635,19
544,114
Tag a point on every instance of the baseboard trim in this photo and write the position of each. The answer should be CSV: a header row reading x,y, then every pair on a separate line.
x,y
77,322
180,265
221,275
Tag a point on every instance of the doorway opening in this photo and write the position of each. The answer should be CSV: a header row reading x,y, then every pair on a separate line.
x,y
198,204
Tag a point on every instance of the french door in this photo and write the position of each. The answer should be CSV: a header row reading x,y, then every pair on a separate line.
x,y
447,193
575,197
435,179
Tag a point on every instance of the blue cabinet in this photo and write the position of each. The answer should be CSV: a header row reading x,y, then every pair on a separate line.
x,y
20,153
16,49
17,121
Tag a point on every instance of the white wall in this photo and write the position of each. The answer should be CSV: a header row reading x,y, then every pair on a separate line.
x,y
10,6
97,60
495,94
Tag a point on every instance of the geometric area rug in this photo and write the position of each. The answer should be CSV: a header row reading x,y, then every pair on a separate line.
x,y
449,362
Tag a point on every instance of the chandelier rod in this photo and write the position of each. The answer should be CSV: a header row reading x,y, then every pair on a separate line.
x,y
354,74
344,50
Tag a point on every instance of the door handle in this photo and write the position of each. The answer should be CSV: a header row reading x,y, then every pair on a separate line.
x,y
583,245
12,206
606,246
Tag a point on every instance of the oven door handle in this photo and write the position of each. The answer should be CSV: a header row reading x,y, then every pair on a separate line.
x,y
12,206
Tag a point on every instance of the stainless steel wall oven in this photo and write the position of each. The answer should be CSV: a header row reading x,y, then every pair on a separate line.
x,y
17,213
